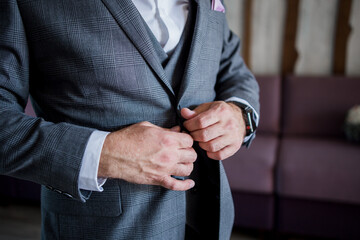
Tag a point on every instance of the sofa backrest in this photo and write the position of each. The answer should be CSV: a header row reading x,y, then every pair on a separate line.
x,y
270,102
317,106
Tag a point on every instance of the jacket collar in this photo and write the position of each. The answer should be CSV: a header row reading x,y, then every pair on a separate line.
x,y
130,20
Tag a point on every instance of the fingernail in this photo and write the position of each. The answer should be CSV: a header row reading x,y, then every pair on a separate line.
x,y
192,184
191,110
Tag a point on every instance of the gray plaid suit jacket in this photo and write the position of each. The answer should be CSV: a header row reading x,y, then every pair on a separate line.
x,y
90,64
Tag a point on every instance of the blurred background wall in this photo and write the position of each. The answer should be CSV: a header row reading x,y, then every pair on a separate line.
x,y
300,37
306,57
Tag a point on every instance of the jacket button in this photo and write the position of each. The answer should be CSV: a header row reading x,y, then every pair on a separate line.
x,y
58,191
68,195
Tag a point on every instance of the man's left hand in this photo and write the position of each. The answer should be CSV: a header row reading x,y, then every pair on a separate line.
x,y
219,127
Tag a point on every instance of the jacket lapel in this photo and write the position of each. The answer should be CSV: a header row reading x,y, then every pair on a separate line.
x,y
130,20
202,9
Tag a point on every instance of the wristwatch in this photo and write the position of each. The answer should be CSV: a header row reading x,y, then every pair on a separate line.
x,y
248,113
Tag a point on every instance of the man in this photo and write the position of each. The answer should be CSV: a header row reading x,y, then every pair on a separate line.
x,y
128,95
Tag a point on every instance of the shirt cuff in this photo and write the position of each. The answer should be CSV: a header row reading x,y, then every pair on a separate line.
x,y
88,179
255,115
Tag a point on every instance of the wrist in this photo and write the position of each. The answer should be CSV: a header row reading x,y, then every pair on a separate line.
x,y
240,115
247,116
106,164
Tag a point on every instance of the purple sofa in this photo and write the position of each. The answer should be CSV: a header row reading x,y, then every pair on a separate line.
x,y
300,176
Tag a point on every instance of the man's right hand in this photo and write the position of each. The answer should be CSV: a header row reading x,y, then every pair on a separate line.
x,y
144,153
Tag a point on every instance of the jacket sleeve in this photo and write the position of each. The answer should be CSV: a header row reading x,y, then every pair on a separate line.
x,y
234,79
31,148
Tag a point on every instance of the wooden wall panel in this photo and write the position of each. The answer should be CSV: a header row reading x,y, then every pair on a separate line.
x,y
247,35
235,15
267,36
290,53
353,49
342,32
315,37
261,24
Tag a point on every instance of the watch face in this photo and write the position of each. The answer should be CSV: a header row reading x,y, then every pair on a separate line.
x,y
250,123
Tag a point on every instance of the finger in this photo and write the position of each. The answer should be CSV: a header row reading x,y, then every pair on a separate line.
x,y
187,113
216,144
175,129
208,134
224,153
187,155
183,170
184,140
202,120
177,185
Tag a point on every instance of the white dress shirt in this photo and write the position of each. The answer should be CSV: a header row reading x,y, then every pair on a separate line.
x,y
166,19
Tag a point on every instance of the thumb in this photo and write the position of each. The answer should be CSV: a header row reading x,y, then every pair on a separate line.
x,y
177,185
175,129
187,113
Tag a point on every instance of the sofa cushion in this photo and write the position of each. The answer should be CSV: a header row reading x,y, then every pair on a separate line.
x,y
317,106
270,96
319,169
252,169
19,189
318,219
254,210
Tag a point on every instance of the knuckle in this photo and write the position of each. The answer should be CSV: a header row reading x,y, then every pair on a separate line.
x,y
203,121
212,155
204,136
217,155
190,156
204,146
171,185
154,179
221,155
222,106
190,169
213,147
165,158
188,140
144,123
166,141
163,182
231,124
194,155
